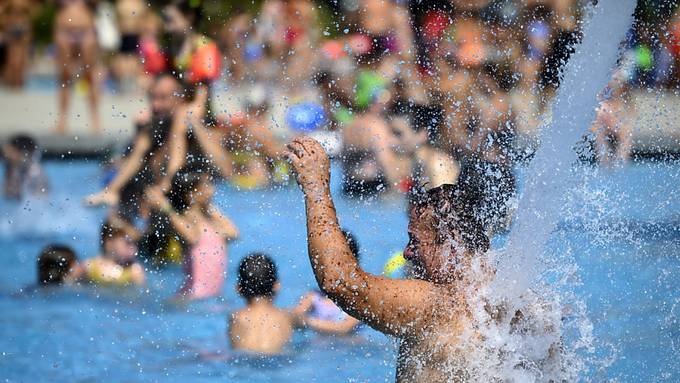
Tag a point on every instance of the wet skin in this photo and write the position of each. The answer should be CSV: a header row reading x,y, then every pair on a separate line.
x,y
428,315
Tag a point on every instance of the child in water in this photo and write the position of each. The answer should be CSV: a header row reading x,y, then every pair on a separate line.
x,y
117,265
259,327
203,230
56,265
319,313
23,173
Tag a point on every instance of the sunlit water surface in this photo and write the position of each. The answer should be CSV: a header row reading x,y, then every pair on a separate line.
x,y
622,228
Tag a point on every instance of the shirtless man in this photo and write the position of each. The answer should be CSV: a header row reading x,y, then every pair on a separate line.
x,y
430,314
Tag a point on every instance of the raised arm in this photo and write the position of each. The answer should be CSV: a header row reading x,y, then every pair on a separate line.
x,y
185,226
128,169
210,144
396,307
177,142
223,225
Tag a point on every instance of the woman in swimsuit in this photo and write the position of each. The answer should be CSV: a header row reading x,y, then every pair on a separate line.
x,y
77,51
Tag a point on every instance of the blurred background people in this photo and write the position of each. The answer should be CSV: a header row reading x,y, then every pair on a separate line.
x,y
24,176
75,38
16,23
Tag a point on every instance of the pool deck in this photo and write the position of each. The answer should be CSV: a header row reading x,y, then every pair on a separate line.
x,y
657,130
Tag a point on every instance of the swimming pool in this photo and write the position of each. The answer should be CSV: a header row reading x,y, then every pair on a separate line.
x,y
623,231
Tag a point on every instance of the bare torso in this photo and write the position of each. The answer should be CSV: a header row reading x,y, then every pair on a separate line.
x,y
260,328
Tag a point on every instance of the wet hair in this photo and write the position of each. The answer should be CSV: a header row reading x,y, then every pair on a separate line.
x,y
110,231
54,264
453,207
184,183
352,243
257,276
24,143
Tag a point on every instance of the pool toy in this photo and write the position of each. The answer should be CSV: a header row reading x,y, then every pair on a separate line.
x,y
305,116
395,263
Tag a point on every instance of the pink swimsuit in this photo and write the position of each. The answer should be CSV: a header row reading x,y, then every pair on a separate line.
x,y
205,266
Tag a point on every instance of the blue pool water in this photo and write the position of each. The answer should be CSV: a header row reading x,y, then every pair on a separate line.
x,y
623,230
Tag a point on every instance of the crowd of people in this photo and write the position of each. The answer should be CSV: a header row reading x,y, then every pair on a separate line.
x,y
404,97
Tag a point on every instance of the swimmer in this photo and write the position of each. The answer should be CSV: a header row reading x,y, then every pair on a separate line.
x,y
254,150
117,265
259,327
153,156
429,314
24,175
613,122
56,265
319,313
370,164
203,230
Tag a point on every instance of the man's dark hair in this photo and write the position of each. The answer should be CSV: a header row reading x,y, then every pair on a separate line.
x,y
257,276
453,207
54,264
24,144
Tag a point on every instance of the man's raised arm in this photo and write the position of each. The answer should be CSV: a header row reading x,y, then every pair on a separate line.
x,y
397,307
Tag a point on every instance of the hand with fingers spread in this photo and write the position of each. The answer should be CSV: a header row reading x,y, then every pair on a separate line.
x,y
311,164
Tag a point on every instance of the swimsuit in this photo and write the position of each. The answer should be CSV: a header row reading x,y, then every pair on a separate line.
x,y
324,310
205,266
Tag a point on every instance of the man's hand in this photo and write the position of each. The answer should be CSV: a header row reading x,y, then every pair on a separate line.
x,y
311,164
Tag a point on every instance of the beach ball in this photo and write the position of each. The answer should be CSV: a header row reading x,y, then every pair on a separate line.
x,y
305,116
253,52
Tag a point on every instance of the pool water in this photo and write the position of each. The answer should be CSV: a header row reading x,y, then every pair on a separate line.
x,y
623,231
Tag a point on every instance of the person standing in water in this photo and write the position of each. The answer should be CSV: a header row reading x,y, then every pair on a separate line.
x,y
203,230
431,315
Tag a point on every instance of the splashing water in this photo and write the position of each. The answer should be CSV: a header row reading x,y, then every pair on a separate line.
x,y
530,330
550,172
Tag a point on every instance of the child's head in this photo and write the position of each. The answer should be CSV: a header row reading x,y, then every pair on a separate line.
x,y
257,277
191,189
55,263
118,244
19,148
